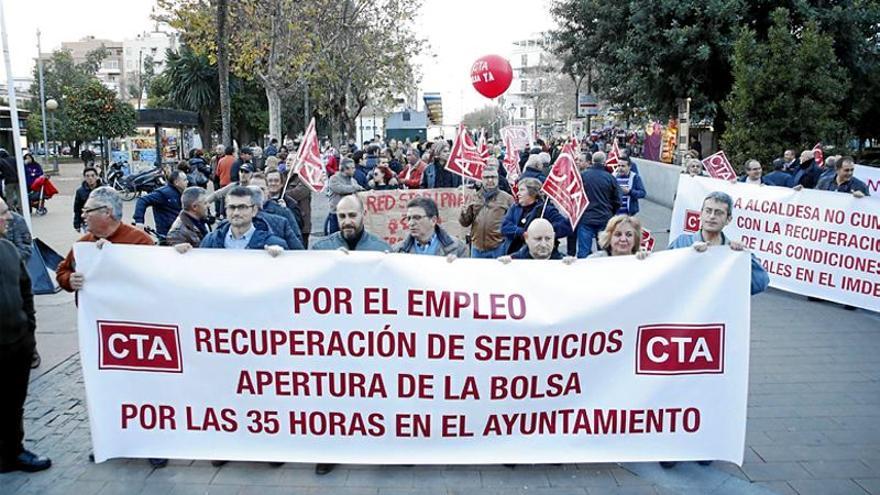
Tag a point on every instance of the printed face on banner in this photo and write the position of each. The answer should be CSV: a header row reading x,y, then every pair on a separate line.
x,y
692,221
139,347
718,167
680,349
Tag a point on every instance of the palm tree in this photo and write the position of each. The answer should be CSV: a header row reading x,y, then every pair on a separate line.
x,y
193,85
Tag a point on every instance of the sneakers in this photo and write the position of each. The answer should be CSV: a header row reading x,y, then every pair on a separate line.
x,y
26,461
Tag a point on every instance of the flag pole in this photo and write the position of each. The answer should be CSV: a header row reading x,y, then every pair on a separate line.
x,y
545,206
16,129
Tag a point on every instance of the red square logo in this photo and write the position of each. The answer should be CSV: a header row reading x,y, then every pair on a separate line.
x,y
691,221
680,349
124,345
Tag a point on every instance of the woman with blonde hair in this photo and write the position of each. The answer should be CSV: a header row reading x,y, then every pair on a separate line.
x,y
621,237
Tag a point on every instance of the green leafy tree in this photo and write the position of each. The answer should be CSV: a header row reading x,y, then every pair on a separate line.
x,y
787,91
192,83
61,78
95,112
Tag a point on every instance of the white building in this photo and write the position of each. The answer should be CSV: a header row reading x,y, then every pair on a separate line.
x,y
140,49
22,87
529,60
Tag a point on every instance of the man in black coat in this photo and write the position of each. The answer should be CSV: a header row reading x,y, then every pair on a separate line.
x,y
90,182
604,195
17,325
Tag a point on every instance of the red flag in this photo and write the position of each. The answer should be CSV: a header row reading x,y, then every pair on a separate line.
x,y
647,240
307,161
819,155
464,157
482,147
613,158
565,187
511,161
575,145
718,167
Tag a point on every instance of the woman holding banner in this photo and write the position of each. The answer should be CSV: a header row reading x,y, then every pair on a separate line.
x,y
621,237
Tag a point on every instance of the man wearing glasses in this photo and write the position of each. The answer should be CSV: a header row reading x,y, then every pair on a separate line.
x,y
102,215
715,214
425,235
244,230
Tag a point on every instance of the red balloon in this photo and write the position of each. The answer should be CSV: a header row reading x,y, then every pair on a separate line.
x,y
491,75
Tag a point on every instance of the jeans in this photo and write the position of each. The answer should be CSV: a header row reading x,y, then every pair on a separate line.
x,y
499,251
331,226
586,233
571,243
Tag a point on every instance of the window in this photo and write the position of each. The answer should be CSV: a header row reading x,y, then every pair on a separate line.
x,y
522,112
525,59
524,86
406,116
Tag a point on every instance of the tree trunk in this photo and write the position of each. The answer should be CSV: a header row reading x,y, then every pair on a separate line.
x,y
274,99
223,71
205,130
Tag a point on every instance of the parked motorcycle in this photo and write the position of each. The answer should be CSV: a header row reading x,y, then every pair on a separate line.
x,y
131,186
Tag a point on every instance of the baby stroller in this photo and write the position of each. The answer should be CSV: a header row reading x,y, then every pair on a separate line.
x,y
41,190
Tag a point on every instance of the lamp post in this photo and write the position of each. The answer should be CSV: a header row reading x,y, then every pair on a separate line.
x,y
51,106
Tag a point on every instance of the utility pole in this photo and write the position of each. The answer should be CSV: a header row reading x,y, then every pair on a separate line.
x,y
43,104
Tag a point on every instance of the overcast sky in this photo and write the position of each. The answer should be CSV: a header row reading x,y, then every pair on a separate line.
x,y
459,32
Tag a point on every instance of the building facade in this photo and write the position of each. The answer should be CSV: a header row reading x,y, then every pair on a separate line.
x,y
145,48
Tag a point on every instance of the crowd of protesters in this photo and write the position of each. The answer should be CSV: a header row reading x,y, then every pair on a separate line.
x,y
259,203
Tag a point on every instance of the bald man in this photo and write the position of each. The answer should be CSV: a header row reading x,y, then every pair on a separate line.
x,y
351,236
540,240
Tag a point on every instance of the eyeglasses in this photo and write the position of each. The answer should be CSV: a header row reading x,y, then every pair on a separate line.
x,y
86,211
238,207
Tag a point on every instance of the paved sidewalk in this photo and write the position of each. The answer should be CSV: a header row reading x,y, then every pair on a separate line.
x,y
813,428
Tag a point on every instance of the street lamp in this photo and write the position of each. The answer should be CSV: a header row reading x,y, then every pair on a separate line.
x,y
51,106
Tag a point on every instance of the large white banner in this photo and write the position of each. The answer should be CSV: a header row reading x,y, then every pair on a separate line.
x,y
403,359
871,177
816,243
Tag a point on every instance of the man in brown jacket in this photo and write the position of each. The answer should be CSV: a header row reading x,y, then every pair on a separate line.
x,y
484,214
190,226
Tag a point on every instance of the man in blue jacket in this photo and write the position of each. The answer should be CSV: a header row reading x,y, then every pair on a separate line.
x,y
631,187
243,230
604,195
778,177
716,213
294,237
165,202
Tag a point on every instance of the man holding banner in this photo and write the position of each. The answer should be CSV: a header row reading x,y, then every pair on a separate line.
x,y
843,181
426,236
351,236
484,214
715,214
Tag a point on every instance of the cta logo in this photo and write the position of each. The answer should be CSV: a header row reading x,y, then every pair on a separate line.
x,y
691,221
673,349
124,345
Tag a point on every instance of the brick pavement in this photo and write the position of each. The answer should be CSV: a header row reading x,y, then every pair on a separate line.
x,y
813,428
